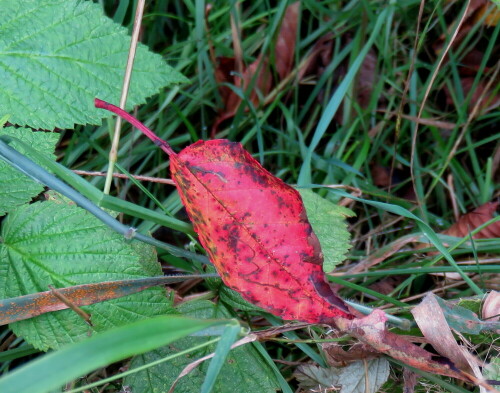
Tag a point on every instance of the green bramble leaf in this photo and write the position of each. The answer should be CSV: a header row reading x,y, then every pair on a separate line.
x,y
244,369
57,55
15,187
328,222
49,243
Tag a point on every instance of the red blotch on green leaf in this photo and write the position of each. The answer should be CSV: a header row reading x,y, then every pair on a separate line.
x,y
254,228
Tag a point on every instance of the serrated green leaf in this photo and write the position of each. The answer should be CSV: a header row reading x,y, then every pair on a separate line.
x,y
244,369
328,222
354,378
56,56
3,120
15,187
48,243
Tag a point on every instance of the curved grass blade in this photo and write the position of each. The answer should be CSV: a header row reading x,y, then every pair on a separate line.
x,y
424,227
56,368
336,100
223,347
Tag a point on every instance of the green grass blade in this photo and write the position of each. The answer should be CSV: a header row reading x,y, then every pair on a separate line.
x,y
425,270
425,228
102,200
223,347
57,368
336,100
282,381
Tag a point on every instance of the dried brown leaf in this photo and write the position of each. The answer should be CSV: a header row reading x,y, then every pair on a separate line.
x,y
381,176
493,13
491,307
371,330
387,285
474,13
258,74
474,219
338,357
224,73
261,87
318,58
488,102
285,44
366,79
431,321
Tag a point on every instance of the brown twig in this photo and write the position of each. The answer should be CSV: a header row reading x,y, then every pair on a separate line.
x,y
113,153
122,176
71,305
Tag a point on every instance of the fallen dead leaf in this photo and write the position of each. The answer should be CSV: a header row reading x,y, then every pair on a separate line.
x,y
336,356
431,321
258,74
474,13
491,307
318,58
410,379
224,70
371,330
492,13
366,79
490,101
474,219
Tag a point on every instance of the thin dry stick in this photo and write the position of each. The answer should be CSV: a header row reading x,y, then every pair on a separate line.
x,y
113,153
236,36
71,305
453,198
123,176
426,95
420,295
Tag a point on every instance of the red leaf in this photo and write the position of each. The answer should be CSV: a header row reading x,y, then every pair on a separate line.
x,y
253,226
474,219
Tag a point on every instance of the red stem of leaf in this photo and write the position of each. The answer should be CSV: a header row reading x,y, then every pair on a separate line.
x,y
136,123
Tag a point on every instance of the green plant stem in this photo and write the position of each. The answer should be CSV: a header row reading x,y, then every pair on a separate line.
x,y
34,171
